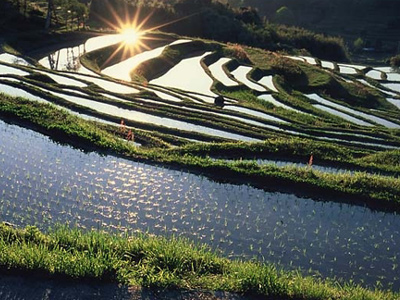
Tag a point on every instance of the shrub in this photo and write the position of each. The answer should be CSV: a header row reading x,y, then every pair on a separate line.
x,y
237,52
395,61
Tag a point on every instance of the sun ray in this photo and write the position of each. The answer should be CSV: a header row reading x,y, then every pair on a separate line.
x,y
133,29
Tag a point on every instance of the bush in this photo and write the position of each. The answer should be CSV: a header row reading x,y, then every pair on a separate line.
x,y
395,61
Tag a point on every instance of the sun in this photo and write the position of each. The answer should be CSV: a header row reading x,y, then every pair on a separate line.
x,y
130,36
133,30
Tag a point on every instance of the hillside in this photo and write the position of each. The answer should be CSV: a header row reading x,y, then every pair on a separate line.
x,y
218,21
377,23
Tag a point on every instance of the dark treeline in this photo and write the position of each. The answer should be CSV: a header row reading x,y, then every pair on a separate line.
x,y
218,21
376,22
310,11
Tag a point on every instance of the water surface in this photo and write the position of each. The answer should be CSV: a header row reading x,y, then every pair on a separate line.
x,y
67,59
12,59
218,72
327,64
272,100
6,70
374,74
267,81
123,69
188,75
17,92
392,86
107,84
341,115
139,116
44,183
372,118
60,79
241,72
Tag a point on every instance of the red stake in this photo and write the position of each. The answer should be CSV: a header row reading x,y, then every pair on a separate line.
x,y
310,161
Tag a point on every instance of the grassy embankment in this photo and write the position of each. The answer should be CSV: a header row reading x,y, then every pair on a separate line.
x,y
374,190
158,262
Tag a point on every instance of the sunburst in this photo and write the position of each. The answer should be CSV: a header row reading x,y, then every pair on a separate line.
x,y
133,31
130,36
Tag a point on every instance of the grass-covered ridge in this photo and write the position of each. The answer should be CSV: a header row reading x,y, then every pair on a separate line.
x,y
377,191
159,262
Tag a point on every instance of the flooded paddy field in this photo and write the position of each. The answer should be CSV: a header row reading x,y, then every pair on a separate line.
x,y
45,183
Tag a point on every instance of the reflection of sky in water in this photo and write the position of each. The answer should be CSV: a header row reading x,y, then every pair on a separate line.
x,y
377,75
12,59
241,72
16,92
218,72
148,118
44,183
63,79
67,59
392,86
187,75
6,70
342,115
373,118
267,81
123,69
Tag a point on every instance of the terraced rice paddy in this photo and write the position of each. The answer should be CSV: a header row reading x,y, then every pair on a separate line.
x,y
12,59
217,71
122,70
241,75
392,86
67,59
272,100
377,75
375,119
45,183
267,81
16,92
187,75
342,115
58,184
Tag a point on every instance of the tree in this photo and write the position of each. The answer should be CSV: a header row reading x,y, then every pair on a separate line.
x,y
395,61
49,12
78,10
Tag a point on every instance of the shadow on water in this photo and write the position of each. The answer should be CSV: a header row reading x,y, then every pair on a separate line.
x,y
21,287
13,287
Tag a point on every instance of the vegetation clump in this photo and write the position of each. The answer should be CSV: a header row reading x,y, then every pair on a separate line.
x,y
395,61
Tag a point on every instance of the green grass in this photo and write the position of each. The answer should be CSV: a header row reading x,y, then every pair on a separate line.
x,y
159,262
